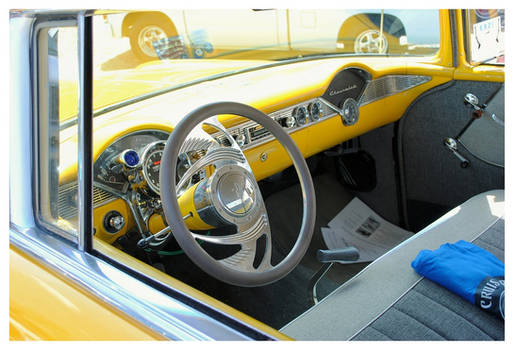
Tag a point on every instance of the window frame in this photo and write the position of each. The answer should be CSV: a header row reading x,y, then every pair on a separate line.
x,y
467,45
40,116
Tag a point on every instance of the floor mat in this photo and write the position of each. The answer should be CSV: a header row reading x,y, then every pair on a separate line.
x,y
359,226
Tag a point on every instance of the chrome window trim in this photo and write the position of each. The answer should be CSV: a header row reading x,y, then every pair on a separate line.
x,y
43,21
85,132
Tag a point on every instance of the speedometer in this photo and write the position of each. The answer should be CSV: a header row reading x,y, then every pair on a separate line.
x,y
151,162
152,165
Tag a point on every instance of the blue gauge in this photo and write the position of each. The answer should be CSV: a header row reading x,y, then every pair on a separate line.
x,y
129,158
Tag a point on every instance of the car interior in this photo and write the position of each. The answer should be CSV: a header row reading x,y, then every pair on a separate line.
x,y
226,185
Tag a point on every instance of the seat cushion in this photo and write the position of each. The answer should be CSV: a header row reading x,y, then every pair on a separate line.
x,y
431,312
388,300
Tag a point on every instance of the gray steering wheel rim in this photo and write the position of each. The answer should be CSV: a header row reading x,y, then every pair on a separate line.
x,y
174,217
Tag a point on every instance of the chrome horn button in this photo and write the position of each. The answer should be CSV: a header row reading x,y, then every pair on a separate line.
x,y
230,196
236,193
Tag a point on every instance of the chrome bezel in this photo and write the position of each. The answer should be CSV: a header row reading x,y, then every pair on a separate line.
x,y
148,151
320,110
352,118
305,119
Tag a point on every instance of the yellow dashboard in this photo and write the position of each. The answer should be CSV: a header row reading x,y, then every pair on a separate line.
x,y
388,87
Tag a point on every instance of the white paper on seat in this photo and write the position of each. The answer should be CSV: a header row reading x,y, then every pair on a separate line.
x,y
359,226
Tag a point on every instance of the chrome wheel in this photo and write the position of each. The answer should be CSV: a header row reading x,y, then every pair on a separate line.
x,y
147,36
370,41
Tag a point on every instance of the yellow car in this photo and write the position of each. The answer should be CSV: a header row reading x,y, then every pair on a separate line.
x,y
265,194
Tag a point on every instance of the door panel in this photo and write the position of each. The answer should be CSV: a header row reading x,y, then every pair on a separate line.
x,y
432,178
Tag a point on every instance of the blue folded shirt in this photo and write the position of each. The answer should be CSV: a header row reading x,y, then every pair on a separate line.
x,y
467,270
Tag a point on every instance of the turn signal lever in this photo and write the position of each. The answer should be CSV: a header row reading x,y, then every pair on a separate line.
x,y
328,258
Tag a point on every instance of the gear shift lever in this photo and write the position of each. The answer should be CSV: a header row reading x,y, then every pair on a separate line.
x,y
328,258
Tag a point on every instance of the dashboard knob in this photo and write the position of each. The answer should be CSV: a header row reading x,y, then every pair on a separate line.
x,y
240,139
288,122
113,221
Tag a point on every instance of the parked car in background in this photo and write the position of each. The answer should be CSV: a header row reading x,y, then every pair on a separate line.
x,y
205,32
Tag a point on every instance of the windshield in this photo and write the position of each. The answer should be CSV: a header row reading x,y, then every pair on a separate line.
x,y
143,52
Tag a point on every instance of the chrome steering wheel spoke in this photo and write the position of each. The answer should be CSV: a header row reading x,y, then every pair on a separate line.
x,y
216,155
238,200
247,237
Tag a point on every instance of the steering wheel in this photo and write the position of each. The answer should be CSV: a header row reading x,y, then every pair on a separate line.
x,y
231,196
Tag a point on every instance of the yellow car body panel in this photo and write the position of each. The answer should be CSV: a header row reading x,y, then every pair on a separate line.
x,y
72,314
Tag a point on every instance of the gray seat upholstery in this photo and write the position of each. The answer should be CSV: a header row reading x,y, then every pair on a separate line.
x,y
389,301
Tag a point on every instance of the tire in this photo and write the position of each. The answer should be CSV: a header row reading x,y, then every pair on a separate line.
x,y
370,41
360,30
144,32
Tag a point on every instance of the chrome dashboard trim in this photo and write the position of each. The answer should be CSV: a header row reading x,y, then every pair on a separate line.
x,y
374,90
148,306
282,113
389,85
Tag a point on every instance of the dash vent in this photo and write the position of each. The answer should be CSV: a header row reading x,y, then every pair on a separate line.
x,y
68,197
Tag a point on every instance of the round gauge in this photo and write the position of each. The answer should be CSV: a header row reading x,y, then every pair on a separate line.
x,y
129,158
151,169
301,115
151,161
315,110
350,112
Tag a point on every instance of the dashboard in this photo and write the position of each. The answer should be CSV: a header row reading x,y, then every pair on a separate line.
x,y
126,189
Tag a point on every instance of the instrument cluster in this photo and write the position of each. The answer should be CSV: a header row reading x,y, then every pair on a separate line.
x,y
135,161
